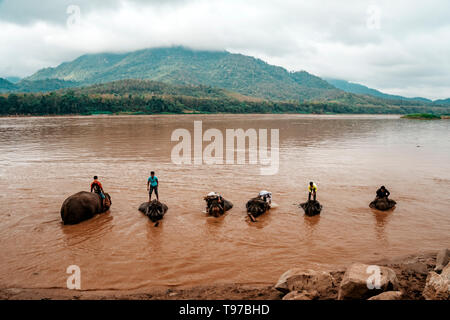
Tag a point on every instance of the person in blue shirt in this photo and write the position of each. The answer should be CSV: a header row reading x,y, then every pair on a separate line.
x,y
152,184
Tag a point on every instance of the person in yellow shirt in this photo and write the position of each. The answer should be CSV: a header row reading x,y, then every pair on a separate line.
x,y
312,188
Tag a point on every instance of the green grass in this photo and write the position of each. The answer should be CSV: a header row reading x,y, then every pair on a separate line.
x,y
100,112
422,116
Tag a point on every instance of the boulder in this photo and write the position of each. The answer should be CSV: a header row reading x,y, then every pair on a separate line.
x,y
301,295
437,286
442,259
389,295
311,208
382,204
306,280
356,280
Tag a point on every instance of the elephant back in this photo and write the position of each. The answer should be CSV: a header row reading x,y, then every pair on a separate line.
x,y
154,210
79,207
311,208
382,204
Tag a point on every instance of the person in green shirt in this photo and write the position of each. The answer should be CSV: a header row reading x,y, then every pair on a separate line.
x,y
152,185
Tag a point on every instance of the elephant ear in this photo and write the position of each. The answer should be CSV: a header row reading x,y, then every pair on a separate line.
x,y
147,211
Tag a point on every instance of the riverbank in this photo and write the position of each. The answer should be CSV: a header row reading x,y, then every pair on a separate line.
x,y
126,114
411,271
423,116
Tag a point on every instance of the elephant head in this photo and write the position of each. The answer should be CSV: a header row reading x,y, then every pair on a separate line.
x,y
107,203
215,208
257,207
155,210
311,208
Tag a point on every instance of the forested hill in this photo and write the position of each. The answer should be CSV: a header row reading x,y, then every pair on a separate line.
x,y
156,88
361,89
151,97
180,71
35,86
177,65
5,85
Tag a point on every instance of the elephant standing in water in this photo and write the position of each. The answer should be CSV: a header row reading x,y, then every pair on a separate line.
x,y
154,210
256,207
83,206
216,205
312,207
382,204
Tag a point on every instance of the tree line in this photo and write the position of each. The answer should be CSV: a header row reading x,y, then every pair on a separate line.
x,y
70,102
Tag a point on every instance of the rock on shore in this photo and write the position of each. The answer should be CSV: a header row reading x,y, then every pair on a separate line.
x,y
442,259
309,282
438,285
389,295
354,285
409,278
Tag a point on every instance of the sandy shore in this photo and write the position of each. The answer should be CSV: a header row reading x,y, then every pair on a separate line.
x,y
411,271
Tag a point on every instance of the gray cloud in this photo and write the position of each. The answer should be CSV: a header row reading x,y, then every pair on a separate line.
x,y
54,11
405,51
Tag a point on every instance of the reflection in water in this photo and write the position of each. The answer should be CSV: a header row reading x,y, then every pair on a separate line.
x,y
262,221
311,222
382,218
88,231
48,159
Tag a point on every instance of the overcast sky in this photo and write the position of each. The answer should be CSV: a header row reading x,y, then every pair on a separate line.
x,y
397,46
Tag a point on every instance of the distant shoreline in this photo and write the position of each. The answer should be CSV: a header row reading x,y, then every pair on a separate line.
x,y
195,114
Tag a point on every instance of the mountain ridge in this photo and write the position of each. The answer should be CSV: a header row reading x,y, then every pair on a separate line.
x,y
178,65
358,88
235,72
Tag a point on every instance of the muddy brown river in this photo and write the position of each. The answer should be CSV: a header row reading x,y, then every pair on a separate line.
x,y
45,160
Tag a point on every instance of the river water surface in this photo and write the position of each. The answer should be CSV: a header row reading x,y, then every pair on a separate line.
x,y
45,160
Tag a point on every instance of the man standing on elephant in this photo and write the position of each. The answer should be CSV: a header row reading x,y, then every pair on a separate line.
x,y
152,184
97,187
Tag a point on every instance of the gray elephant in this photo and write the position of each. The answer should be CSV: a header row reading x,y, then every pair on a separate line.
x,y
256,207
83,206
216,205
154,210
382,204
311,208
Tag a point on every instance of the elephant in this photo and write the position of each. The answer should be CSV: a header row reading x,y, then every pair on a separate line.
x,y
154,210
256,207
382,204
216,209
312,207
83,206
